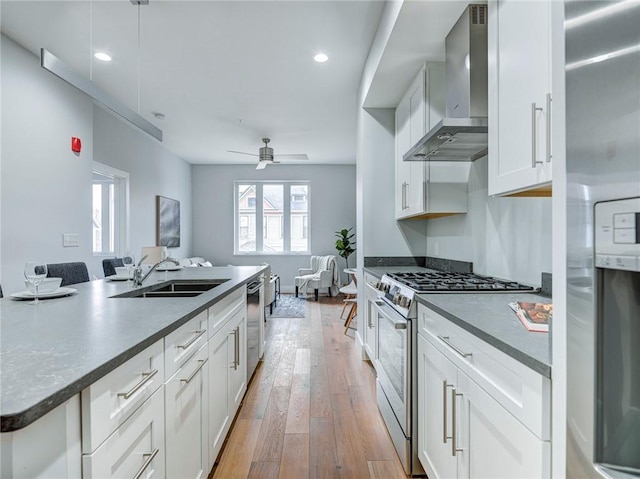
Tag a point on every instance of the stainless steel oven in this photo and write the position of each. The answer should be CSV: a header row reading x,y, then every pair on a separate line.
x,y
393,363
395,366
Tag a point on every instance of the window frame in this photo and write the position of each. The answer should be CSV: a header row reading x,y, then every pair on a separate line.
x,y
260,222
121,223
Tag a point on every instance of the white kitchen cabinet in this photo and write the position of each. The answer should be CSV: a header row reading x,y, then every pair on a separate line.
x,y
49,447
495,444
476,405
519,76
227,377
237,359
424,189
187,418
437,376
370,318
135,449
108,402
180,344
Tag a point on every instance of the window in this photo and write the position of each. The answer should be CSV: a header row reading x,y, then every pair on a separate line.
x,y
262,207
110,212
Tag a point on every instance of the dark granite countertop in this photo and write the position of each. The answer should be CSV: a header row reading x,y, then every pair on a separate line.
x,y
378,271
52,351
489,317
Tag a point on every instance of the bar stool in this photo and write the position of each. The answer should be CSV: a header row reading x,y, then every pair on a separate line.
x,y
350,291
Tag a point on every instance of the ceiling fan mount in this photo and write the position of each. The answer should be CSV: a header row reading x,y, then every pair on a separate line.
x,y
266,156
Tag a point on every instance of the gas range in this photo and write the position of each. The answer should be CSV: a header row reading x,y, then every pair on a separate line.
x,y
399,289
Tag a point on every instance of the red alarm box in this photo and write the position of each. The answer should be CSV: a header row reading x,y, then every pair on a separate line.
x,y
76,144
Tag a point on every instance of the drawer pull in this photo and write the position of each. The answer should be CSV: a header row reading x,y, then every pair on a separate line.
x,y
447,341
192,340
193,374
146,464
146,377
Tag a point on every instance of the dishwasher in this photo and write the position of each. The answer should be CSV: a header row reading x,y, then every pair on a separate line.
x,y
255,310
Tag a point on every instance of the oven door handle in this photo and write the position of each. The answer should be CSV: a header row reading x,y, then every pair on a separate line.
x,y
397,324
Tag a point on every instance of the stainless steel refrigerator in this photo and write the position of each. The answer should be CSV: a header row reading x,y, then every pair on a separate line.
x,y
603,238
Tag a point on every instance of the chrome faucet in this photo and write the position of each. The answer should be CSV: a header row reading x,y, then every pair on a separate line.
x,y
138,278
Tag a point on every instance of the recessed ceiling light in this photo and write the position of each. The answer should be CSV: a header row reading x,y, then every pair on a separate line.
x,y
321,58
158,115
103,57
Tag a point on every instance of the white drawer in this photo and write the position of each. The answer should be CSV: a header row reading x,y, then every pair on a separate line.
x,y
108,402
137,446
223,310
525,393
180,344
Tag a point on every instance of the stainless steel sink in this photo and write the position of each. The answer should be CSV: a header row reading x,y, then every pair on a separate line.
x,y
173,289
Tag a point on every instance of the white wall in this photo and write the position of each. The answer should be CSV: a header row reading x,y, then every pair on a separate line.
x,y
153,170
333,207
382,234
504,237
46,188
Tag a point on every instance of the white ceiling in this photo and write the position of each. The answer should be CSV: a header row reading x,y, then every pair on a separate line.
x,y
227,73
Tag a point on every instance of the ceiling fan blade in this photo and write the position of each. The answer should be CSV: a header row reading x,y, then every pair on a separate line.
x,y
262,165
291,157
241,153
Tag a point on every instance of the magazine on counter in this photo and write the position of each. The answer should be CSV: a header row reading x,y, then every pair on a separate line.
x,y
534,316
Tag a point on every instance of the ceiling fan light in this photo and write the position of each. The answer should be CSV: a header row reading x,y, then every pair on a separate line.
x,y
321,58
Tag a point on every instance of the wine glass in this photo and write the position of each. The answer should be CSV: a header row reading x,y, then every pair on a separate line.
x,y
35,272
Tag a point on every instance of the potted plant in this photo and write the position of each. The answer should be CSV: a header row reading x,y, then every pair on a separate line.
x,y
344,244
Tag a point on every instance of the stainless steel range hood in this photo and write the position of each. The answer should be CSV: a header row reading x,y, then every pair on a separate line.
x,y
462,134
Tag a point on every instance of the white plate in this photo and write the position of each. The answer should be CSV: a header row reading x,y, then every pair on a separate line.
x,y
117,278
53,294
168,267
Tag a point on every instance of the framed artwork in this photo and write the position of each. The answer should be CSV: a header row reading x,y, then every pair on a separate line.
x,y
168,222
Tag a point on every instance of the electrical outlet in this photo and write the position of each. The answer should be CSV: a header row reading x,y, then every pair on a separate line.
x,y
436,251
70,240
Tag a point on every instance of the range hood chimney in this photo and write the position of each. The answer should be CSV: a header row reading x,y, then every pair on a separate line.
x,y
462,134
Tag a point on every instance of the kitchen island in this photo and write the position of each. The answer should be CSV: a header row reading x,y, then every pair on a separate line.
x,y
114,381
54,350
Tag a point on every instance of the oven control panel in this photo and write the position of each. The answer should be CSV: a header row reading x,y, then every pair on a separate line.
x,y
617,234
398,295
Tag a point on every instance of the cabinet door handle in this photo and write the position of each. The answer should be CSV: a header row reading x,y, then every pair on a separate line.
x,y
548,127
447,341
237,347
234,364
192,340
149,456
445,435
146,377
454,422
193,374
534,134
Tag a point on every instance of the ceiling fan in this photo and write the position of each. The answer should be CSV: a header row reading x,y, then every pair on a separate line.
x,y
265,155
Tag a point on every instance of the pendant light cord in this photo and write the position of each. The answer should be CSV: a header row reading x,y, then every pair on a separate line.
x,y
91,40
138,58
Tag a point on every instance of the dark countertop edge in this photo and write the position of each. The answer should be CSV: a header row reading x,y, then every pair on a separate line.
x,y
18,420
518,355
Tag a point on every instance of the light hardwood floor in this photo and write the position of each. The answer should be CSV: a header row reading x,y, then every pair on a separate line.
x,y
310,410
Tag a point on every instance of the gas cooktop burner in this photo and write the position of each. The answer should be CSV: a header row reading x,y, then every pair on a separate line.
x,y
442,282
